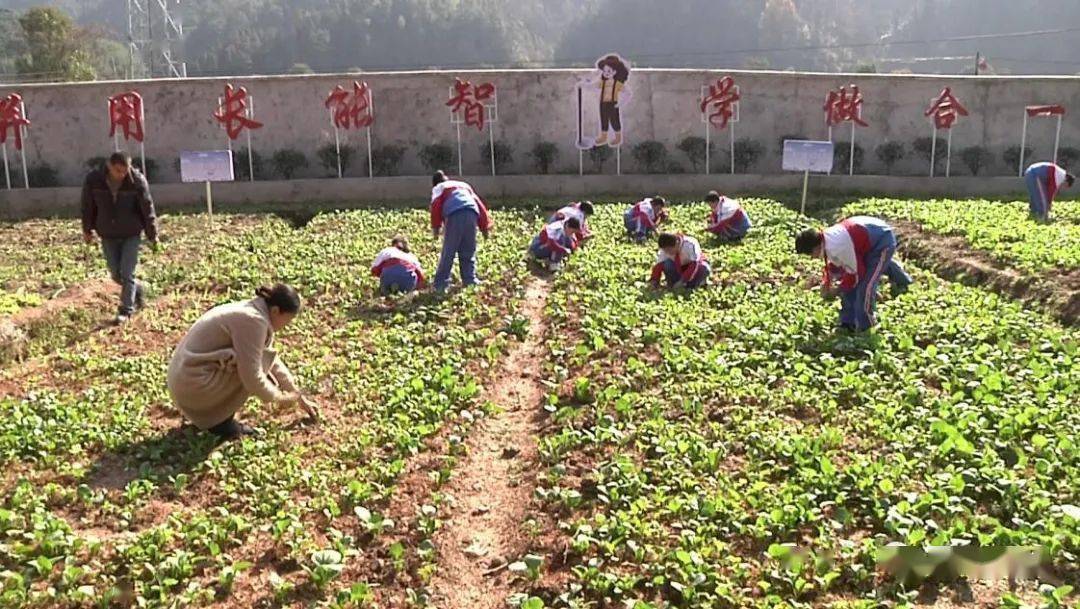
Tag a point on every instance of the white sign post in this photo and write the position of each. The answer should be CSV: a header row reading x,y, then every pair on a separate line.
x,y
457,119
20,136
492,111
807,156
207,166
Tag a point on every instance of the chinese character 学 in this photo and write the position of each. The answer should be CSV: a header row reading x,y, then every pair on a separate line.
x,y
11,117
233,112
844,106
354,111
469,101
723,95
126,112
945,110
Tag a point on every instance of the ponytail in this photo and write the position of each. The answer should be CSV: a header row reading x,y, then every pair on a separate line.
x,y
282,296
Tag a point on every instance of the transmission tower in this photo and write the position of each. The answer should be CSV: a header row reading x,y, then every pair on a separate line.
x,y
155,32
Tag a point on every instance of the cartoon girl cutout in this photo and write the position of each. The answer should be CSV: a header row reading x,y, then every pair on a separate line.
x,y
611,76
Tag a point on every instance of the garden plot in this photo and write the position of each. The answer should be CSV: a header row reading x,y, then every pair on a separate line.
x,y
571,441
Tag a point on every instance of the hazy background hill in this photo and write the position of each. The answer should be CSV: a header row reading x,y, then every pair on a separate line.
x,y
278,36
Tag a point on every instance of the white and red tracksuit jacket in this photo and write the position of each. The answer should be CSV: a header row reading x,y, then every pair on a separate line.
x,y
727,214
688,260
453,196
1052,176
555,238
644,215
846,247
393,256
574,211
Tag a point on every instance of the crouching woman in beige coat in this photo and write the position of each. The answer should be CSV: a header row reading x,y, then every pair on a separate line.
x,y
227,357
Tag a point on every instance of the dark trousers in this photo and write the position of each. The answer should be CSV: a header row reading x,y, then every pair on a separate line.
x,y
610,117
122,256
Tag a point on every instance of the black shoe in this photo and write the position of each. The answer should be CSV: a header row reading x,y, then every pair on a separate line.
x,y
231,429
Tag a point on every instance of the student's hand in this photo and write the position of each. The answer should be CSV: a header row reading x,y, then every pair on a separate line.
x,y
435,233
88,238
290,399
311,408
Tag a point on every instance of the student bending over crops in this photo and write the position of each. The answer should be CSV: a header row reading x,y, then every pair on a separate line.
x,y
642,219
397,268
680,261
728,219
579,211
228,356
555,242
857,252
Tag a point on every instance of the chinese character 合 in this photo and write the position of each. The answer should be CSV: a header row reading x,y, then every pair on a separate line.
x,y
233,112
469,100
843,106
11,117
126,112
722,96
945,110
354,112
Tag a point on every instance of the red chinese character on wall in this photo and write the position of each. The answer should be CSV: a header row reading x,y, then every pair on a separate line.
x,y
354,111
946,109
722,97
233,113
11,117
126,113
844,106
468,100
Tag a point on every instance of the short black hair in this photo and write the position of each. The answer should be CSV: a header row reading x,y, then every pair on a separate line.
x,y
120,158
573,223
667,240
586,208
808,240
712,197
283,296
658,200
401,242
438,178
1069,179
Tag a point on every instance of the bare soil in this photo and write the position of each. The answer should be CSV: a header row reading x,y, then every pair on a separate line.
x,y
1056,292
489,499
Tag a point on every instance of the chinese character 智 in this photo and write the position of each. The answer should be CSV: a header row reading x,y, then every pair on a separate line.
x,y
468,100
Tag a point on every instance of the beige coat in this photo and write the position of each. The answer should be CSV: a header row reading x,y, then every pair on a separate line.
x,y
224,359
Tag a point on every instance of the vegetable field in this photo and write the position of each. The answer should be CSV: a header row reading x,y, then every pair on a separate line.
x,y
721,448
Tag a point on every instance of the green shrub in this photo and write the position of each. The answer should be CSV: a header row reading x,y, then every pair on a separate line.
x,y
842,157
287,162
1011,156
436,156
651,156
1067,156
328,158
693,147
544,155
890,153
747,154
504,155
42,175
976,158
386,159
240,164
598,155
924,146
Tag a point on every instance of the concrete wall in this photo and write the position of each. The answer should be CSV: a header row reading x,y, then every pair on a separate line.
x,y
70,121
302,195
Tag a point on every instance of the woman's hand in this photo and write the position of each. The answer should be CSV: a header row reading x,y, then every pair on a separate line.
x,y
311,408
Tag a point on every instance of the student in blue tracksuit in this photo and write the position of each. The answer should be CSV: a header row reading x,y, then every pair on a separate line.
x,y
398,269
857,252
644,217
555,242
681,261
456,206
1044,181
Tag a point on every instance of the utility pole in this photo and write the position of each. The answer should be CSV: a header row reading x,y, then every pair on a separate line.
x,y
978,60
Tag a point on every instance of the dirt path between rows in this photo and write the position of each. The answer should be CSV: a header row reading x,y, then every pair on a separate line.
x,y
489,495
1057,293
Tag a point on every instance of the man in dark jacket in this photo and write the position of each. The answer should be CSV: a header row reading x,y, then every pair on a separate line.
x,y
116,205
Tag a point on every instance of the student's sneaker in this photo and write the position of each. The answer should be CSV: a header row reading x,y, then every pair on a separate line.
x,y
121,319
554,267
